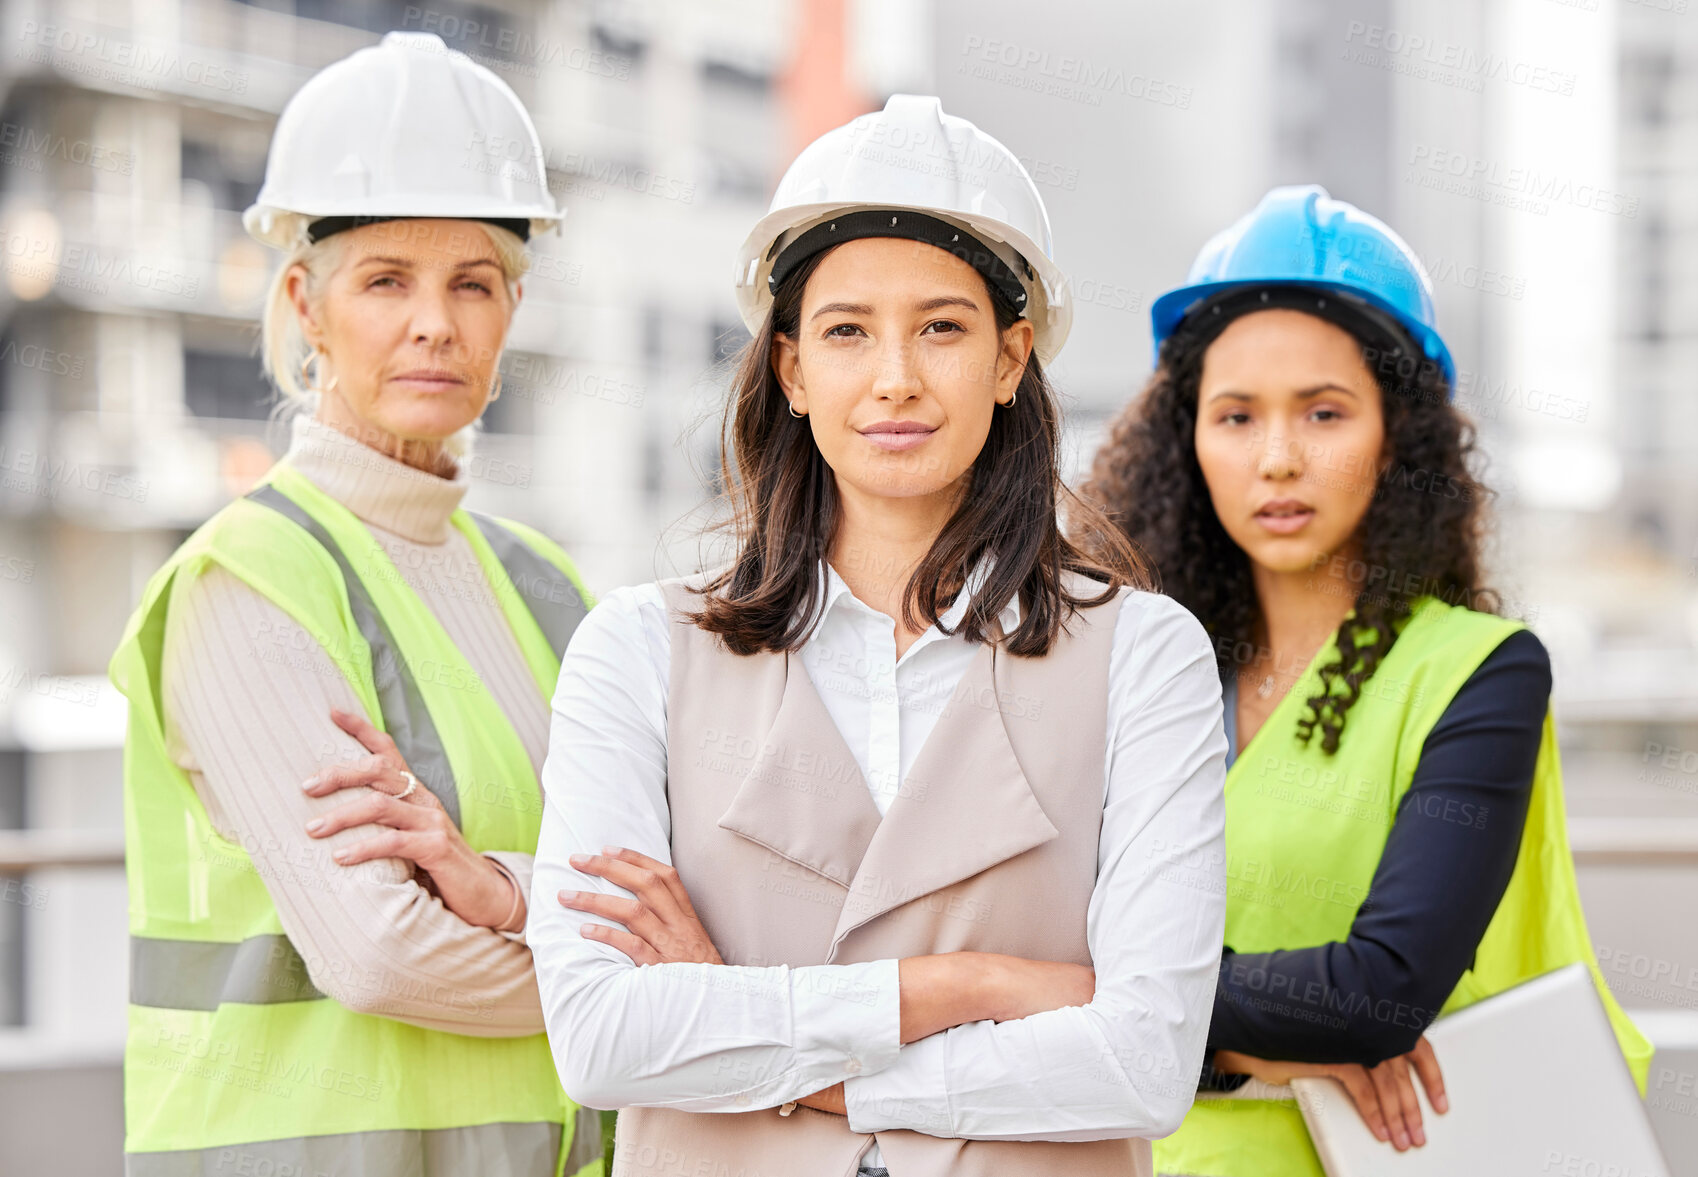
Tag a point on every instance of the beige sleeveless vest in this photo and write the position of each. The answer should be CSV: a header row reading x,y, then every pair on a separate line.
x,y
990,845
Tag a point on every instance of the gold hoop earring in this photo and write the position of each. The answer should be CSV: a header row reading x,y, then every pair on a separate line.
x,y
309,373
793,411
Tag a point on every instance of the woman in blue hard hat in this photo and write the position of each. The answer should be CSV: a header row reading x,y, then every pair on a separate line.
x,y
1301,482
328,970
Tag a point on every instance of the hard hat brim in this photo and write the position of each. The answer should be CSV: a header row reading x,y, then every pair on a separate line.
x,y
285,228
1050,306
1170,310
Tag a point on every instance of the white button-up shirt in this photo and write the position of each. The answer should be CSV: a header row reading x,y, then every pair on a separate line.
x,y
673,1035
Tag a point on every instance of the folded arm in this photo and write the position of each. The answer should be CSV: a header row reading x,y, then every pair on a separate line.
x,y
698,1037
1446,865
1126,1063
247,697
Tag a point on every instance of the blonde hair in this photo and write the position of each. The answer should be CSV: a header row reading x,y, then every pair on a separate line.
x,y
284,348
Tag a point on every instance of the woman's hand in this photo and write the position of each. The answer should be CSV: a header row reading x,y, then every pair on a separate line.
x,y
952,988
1384,1095
949,989
419,829
1021,987
828,1099
660,924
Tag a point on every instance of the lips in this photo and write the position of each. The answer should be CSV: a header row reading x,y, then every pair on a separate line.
x,y
1285,516
430,378
898,435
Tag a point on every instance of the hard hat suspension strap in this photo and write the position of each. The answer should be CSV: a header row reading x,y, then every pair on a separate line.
x,y
1373,327
327,226
913,226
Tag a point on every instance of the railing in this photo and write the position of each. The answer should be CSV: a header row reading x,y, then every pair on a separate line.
x,y
1595,841
22,851
1618,841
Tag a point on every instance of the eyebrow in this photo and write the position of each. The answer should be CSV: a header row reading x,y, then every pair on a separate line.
x,y
948,300
1302,393
861,308
846,308
407,263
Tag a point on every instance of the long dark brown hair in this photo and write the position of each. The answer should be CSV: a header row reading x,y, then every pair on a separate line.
x,y
784,512
1421,535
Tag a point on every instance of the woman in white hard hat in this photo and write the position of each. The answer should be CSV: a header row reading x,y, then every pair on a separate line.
x,y
861,840
329,973
1396,845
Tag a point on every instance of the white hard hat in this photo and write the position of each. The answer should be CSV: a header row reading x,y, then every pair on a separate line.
x,y
912,156
406,128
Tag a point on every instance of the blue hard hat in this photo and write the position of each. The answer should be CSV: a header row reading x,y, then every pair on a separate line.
x,y
1300,236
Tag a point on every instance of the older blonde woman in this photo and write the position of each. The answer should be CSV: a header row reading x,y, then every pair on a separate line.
x,y
328,972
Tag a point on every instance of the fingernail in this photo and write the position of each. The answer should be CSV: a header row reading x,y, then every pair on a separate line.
x,y
1442,1103
315,825
1380,1132
339,855
578,859
569,897
311,782
1402,1141
1419,1137
610,850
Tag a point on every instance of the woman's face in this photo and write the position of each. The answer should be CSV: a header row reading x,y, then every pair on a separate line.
x,y
898,363
1290,437
411,324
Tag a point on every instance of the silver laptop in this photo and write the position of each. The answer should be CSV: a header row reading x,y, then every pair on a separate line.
x,y
1536,1084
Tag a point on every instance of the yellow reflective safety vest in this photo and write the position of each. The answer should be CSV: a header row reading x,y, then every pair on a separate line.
x,y
234,1060
1305,832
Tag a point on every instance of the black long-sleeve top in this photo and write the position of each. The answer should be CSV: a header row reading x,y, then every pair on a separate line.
x,y
1446,864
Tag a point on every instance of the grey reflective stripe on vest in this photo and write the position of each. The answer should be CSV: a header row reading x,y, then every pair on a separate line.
x,y
586,1140
483,1150
547,592
404,712
199,974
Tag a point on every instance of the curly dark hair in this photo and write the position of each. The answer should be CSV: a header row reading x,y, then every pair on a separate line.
x,y
1421,536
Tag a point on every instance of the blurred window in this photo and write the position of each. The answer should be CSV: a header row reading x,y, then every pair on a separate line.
x,y
739,129
226,384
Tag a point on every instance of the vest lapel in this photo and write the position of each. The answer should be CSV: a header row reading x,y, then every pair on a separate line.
x,y
965,807
804,797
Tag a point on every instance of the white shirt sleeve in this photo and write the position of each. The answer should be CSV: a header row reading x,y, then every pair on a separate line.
x,y
700,1038
1126,1064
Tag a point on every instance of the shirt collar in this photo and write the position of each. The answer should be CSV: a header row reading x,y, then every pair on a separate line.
x,y
837,594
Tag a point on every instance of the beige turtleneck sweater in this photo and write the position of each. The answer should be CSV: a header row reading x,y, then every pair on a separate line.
x,y
247,698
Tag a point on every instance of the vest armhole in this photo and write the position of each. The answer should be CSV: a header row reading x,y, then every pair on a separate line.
x,y
1473,637
249,537
546,548
243,547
